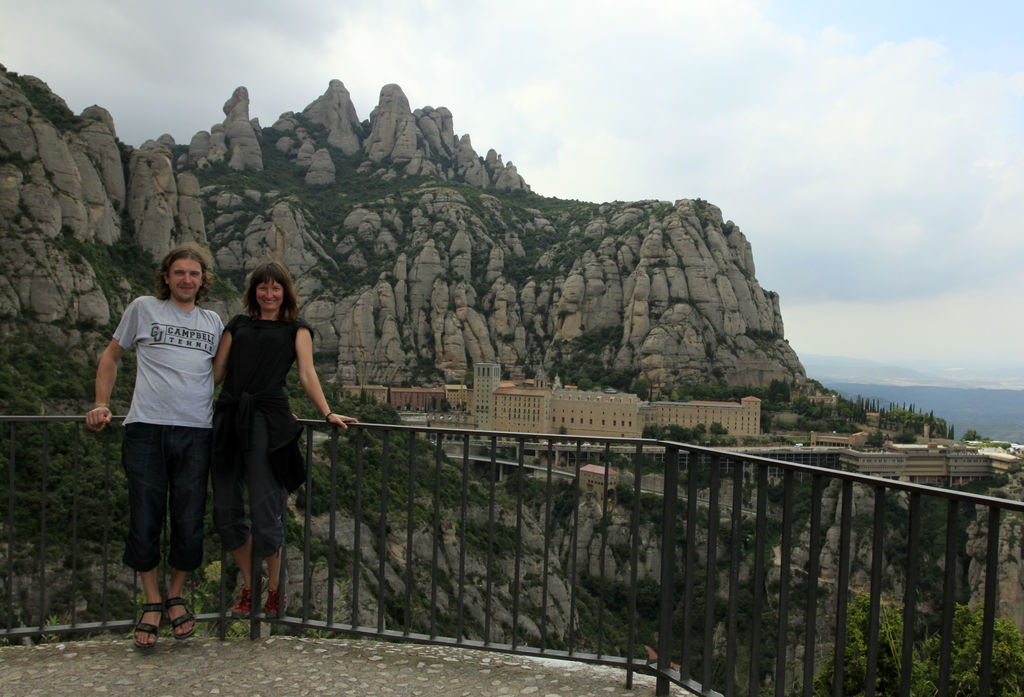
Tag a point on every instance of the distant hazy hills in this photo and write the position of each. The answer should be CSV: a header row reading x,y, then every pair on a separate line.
x,y
986,399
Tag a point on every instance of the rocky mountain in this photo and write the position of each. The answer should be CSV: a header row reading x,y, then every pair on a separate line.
x,y
414,256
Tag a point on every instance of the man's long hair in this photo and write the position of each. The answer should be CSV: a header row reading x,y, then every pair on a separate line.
x,y
272,271
187,250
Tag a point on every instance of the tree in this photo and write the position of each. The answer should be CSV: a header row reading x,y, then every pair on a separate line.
x,y
855,661
1007,655
652,431
678,433
971,434
642,389
778,392
876,439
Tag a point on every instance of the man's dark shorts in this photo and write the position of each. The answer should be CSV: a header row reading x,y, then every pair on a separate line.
x,y
160,460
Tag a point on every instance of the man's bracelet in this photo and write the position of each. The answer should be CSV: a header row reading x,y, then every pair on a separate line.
x,y
327,419
105,405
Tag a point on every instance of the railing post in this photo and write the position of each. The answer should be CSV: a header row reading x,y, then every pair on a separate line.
x,y
813,573
332,535
875,612
74,531
382,532
410,527
910,595
573,554
842,590
693,462
603,579
948,600
257,591
45,460
357,525
307,548
520,483
106,521
492,480
734,577
634,555
760,537
436,542
546,561
463,542
784,570
710,571
988,615
668,562
10,531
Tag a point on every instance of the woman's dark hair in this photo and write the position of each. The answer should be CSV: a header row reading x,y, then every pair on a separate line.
x,y
188,250
272,271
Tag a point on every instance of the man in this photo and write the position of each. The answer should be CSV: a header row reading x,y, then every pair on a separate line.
x,y
167,431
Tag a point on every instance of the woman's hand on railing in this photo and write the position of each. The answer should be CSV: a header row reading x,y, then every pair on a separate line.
x,y
340,420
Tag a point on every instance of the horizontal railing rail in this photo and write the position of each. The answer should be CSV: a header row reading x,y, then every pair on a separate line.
x,y
742,575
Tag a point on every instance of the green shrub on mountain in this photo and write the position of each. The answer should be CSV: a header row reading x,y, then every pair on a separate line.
x,y
1007,656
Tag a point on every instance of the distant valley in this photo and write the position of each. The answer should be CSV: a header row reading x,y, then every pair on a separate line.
x,y
983,400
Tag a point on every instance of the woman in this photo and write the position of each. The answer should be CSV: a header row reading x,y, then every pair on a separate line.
x,y
255,433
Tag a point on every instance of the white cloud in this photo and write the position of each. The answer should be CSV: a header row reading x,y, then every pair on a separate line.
x,y
973,327
869,171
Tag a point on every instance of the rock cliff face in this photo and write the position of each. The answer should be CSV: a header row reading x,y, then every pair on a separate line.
x,y
55,183
414,256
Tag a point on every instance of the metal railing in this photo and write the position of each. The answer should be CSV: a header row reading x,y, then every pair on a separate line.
x,y
743,575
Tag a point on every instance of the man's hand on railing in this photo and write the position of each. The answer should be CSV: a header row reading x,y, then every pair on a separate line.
x,y
98,417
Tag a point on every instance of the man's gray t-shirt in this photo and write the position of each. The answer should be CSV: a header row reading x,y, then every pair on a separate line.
x,y
174,356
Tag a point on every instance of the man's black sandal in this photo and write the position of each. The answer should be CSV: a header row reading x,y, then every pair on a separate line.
x,y
146,627
178,621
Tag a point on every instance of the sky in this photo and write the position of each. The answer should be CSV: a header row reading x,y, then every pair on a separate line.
x,y
871,152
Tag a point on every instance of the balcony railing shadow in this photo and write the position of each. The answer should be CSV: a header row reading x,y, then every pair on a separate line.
x,y
720,572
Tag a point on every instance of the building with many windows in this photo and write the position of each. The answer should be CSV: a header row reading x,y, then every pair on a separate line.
x,y
930,463
592,479
741,418
416,398
521,409
535,407
457,397
486,380
839,440
576,412
585,413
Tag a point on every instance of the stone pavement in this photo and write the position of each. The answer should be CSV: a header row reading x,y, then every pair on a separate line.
x,y
287,665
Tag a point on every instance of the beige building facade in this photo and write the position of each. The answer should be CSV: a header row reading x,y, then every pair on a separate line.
x,y
521,409
741,418
583,413
536,407
927,464
837,440
573,412
486,380
458,397
592,479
